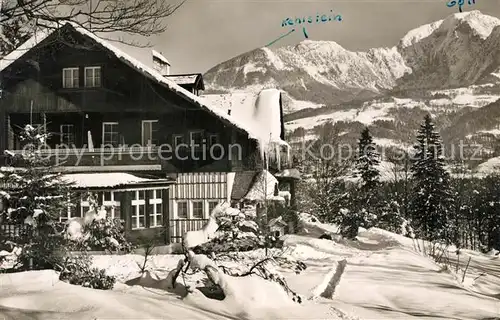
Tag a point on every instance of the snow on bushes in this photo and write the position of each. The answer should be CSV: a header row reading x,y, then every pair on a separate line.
x,y
222,277
97,231
78,270
107,234
235,231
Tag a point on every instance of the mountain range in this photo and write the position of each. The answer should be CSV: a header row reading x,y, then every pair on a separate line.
x,y
449,68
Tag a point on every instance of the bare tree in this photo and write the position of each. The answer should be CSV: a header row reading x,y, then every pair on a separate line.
x,y
401,178
139,17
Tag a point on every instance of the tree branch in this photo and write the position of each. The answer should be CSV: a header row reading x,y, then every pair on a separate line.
x,y
139,17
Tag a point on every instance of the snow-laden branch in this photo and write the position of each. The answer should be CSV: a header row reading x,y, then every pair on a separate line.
x,y
193,239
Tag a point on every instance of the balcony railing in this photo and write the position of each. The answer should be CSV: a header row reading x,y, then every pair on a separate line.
x,y
84,159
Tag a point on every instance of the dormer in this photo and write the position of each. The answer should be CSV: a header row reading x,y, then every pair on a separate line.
x,y
193,82
160,63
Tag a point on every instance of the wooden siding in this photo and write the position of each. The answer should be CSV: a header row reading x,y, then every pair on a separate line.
x,y
179,226
203,185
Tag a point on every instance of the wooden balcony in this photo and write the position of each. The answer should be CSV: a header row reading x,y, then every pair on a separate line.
x,y
100,159
121,159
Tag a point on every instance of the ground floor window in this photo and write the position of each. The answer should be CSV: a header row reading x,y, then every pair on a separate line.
x,y
139,209
111,203
108,199
71,212
182,209
194,208
147,209
211,205
155,208
197,209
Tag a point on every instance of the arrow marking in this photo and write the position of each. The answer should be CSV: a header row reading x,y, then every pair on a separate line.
x,y
270,43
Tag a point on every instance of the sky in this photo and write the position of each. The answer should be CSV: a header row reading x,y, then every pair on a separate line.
x,y
204,33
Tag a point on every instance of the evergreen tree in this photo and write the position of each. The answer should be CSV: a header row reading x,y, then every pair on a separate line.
x,y
365,198
35,198
367,160
432,202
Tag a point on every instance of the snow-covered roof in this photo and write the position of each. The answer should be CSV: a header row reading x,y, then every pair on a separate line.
x,y
261,111
184,78
263,188
278,220
109,180
252,128
159,56
288,173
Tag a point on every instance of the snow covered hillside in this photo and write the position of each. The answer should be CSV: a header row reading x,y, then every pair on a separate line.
x,y
384,278
394,119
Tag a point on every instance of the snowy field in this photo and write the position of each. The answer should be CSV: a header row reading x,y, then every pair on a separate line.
x,y
385,278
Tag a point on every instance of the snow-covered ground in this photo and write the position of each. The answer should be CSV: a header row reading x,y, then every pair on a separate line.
x,y
385,278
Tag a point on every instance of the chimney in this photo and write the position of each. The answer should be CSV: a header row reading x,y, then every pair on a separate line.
x,y
160,63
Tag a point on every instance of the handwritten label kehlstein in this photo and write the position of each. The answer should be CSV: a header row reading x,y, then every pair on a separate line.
x,y
319,19
460,3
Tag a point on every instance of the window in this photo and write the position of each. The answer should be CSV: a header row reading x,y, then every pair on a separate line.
x,y
149,131
211,206
71,78
92,77
106,199
182,209
69,213
109,201
178,139
84,207
197,209
214,139
155,209
110,133
196,138
67,134
139,210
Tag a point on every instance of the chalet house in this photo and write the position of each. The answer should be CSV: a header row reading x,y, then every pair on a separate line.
x,y
159,155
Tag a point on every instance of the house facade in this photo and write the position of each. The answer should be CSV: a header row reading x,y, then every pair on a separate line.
x,y
156,153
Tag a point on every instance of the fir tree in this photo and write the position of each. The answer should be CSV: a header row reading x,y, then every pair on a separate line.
x,y
432,200
365,197
367,160
36,198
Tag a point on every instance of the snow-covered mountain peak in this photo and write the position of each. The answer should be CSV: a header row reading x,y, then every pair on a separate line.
x,y
481,24
318,46
417,34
